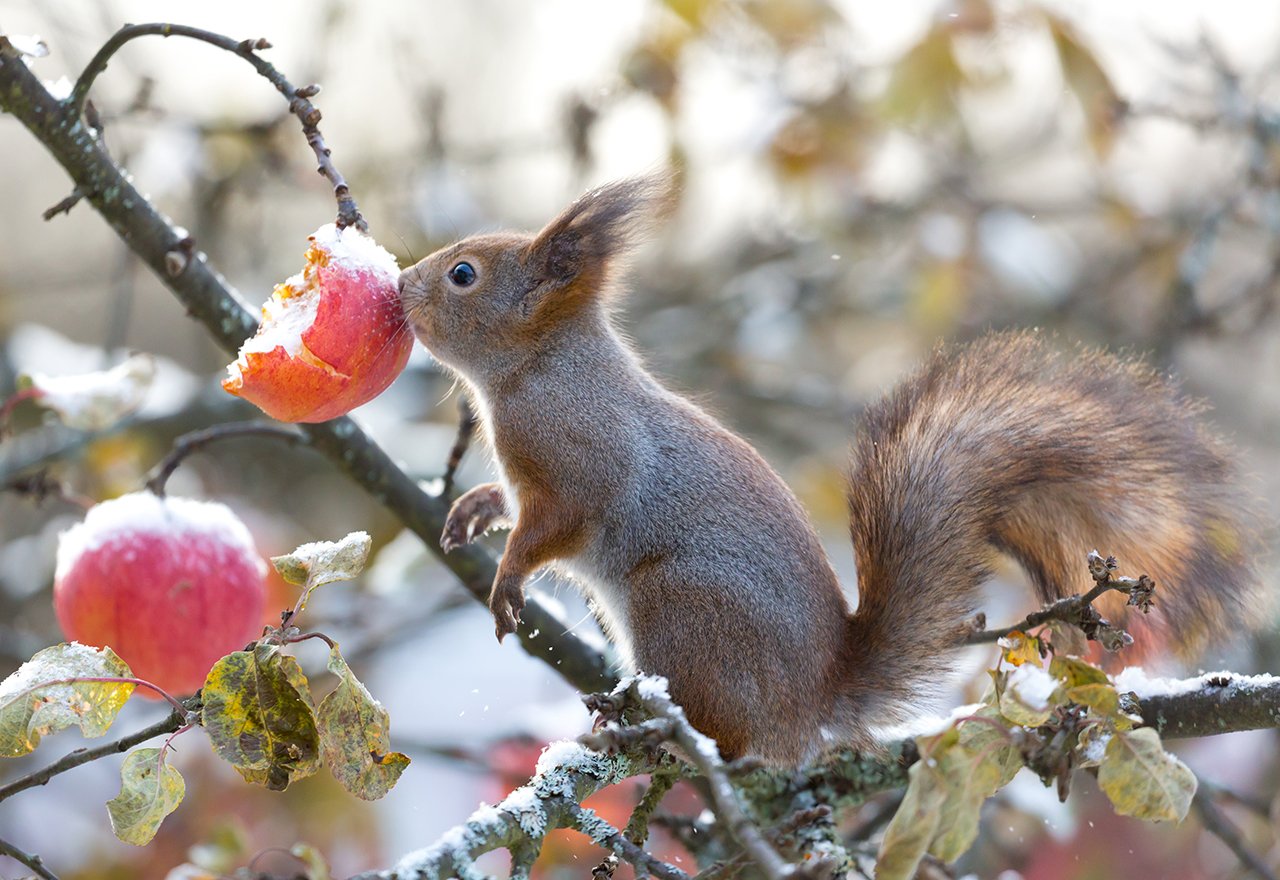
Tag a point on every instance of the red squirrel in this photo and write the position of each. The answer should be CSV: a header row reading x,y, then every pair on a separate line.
x,y
700,562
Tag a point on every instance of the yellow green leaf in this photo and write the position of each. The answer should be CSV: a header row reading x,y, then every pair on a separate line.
x,y
969,778
1143,780
1092,86
925,80
992,745
41,697
1019,648
149,790
1073,672
914,825
259,716
355,736
1101,698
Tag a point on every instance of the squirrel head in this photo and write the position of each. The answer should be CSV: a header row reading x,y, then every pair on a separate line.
x,y
489,302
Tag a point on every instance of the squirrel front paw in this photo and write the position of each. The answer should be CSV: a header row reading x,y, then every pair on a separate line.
x,y
473,514
506,602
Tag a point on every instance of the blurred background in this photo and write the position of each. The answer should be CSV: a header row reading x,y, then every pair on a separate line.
x,y
860,179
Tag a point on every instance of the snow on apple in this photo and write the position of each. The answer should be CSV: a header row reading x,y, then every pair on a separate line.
x,y
331,338
170,584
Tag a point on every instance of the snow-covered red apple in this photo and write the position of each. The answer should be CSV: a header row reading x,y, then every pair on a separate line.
x,y
170,584
331,338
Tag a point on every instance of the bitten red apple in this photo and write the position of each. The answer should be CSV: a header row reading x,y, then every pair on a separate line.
x,y
170,584
331,338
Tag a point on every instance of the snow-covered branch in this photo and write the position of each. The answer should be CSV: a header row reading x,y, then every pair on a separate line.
x,y
751,803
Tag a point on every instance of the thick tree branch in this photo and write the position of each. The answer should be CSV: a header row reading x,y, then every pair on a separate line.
x,y
210,300
1221,704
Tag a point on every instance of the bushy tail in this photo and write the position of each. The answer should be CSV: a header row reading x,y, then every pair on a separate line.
x,y
1009,445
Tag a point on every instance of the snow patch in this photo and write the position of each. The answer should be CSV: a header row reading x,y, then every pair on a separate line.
x,y
567,754
353,247
1136,680
927,725
1033,686
146,513
73,661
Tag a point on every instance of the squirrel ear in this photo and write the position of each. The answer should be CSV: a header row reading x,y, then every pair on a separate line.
x,y
593,236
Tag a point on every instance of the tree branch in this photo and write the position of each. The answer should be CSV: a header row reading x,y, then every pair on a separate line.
x,y
1197,707
83,756
32,861
1078,611
1221,704
1217,824
190,442
299,106
209,299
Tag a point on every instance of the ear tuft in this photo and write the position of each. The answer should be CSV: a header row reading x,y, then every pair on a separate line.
x,y
594,234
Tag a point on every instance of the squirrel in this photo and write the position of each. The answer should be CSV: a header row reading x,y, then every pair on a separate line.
x,y
700,562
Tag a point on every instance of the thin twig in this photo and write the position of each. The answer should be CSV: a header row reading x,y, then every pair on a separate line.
x,y
31,860
703,754
627,849
189,443
64,206
83,756
1078,610
299,106
1217,824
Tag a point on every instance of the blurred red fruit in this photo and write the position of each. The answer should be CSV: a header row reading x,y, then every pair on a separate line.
x,y
331,338
170,584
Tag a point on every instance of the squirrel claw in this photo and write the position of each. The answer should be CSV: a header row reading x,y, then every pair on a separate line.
x,y
506,606
471,516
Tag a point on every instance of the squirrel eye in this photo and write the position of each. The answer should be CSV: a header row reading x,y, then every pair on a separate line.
x,y
462,274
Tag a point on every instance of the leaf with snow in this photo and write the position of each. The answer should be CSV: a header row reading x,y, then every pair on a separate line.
x,y
355,736
149,790
259,717
95,401
1143,780
324,562
41,698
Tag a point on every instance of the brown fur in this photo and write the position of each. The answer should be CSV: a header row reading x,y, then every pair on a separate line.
x,y
701,563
